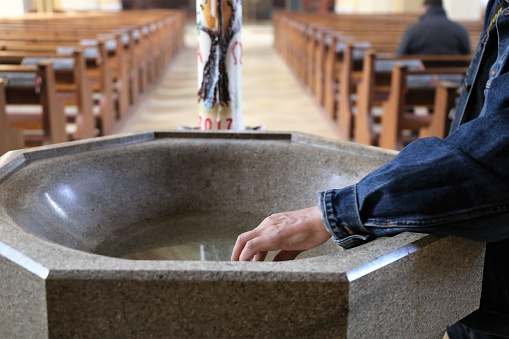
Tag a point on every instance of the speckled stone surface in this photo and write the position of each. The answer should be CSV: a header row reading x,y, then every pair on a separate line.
x,y
62,206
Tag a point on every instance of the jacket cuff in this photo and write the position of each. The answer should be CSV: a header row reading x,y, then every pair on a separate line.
x,y
340,215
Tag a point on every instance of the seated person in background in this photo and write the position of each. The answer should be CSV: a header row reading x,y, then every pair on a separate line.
x,y
435,33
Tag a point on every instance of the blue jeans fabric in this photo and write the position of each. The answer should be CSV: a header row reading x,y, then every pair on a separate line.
x,y
456,186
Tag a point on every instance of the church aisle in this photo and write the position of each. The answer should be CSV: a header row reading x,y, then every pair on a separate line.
x,y
272,97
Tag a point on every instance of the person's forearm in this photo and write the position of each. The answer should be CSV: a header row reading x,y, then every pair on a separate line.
x,y
451,186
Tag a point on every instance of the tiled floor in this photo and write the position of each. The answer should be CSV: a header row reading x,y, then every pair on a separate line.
x,y
272,97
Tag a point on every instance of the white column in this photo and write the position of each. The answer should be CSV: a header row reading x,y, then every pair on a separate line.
x,y
465,9
15,8
364,6
345,6
110,5
79,5
375,6
84,5
457,10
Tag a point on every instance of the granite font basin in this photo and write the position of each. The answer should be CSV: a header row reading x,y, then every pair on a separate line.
x,y
129,237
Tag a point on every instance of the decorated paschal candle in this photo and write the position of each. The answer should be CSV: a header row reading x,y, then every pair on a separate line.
x,y
219,24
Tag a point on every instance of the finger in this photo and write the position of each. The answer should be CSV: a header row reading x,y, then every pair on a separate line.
x,y
286,255
241,243
260,256
257,245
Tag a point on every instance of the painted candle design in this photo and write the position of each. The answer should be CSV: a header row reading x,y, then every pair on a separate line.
x,y
219,24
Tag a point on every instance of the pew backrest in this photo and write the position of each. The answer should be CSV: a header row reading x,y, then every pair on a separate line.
x,y
35,85
10,138
411,89
375,86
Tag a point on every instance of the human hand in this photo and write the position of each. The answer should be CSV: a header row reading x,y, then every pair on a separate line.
x,y
291,233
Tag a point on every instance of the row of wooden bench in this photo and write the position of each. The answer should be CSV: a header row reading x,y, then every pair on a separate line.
x,y
72,76
370,94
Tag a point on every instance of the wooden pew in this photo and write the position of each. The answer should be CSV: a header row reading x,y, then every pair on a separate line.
x,y
400,123
445,101
348,71
97,72
34,86
320,27
123,52
126,63
150,38
111,52
72,85
309,44
118,64
330,68
10,138
373,88
319,70
371,91
320,61
363,27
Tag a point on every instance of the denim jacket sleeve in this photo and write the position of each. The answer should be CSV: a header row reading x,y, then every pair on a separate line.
x,y
455,186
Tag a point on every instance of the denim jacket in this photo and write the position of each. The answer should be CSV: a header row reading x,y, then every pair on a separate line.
x,y
455,186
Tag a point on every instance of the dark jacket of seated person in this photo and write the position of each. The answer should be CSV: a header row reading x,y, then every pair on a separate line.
x,y
435,34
